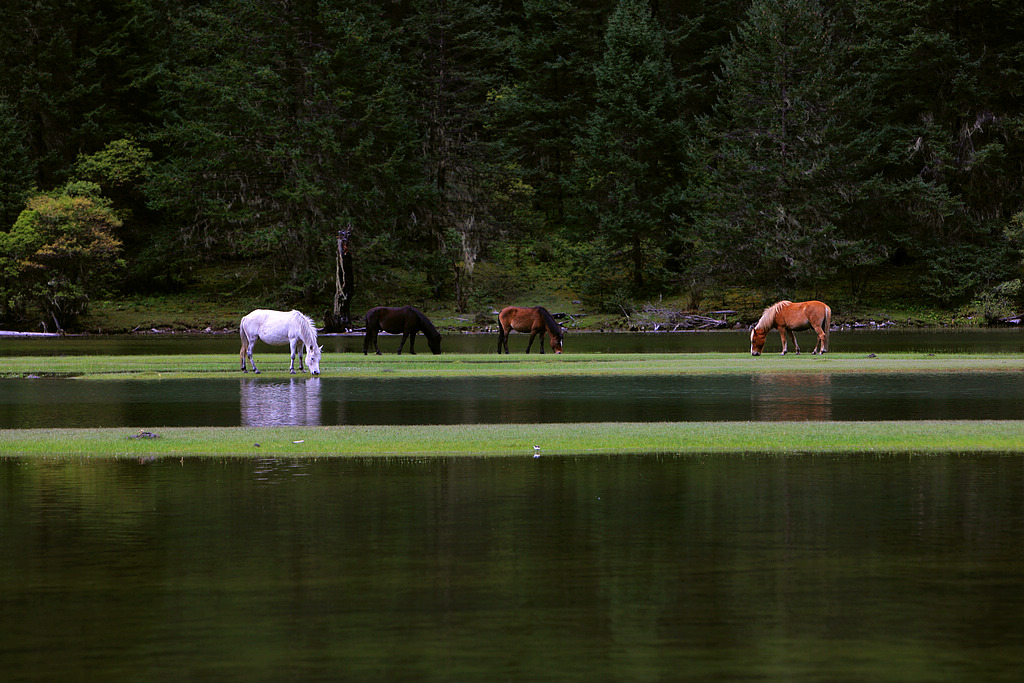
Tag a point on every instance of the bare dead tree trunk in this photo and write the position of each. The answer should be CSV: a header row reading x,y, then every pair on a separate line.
x,y
340,319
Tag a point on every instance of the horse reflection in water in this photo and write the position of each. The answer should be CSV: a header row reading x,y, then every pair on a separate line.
x,y
791,397
295,402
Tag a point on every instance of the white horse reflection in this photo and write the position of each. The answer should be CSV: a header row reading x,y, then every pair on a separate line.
x,y
294,402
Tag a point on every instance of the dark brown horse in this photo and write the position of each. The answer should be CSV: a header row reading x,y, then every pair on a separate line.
x,y
533,320
788,317
406,321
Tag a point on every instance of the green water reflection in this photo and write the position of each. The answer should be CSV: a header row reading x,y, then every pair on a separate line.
x,y
589,568
252,401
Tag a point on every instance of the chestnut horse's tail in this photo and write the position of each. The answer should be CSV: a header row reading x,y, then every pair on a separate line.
x,y
826,325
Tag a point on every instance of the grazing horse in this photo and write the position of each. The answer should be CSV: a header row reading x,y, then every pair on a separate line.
x,y
277,328
406,320
788,317
533,320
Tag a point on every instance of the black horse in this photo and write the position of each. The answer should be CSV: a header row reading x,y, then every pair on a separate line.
x,y
405,320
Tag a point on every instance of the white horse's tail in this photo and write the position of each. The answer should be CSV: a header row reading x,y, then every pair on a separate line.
x,y
245,343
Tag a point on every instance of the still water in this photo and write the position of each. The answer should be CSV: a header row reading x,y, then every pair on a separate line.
x,y
252,401
571,568
576,568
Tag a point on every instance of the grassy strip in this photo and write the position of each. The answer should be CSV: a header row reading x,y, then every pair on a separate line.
x,y
778,438
464,365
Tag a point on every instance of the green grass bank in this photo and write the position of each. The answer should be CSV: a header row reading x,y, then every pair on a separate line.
x,y
481,365
554,440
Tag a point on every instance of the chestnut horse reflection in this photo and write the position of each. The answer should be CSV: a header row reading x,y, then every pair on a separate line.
x,y
406,321
534,320
788,317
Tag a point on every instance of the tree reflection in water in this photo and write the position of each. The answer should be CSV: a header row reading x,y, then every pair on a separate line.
x,y
292,402
791,397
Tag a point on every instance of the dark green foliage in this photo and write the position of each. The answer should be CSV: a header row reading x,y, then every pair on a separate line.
x,y
60,253
632,168
15,165
781,153
783,146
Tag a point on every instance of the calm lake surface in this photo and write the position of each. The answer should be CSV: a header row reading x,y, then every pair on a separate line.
x,y
259,401
624,567
586,568
336,400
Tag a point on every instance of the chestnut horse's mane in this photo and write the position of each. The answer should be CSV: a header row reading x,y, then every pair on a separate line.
x,y
767,320
553,327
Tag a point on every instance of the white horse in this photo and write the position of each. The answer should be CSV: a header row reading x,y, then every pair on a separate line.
x,y
277,328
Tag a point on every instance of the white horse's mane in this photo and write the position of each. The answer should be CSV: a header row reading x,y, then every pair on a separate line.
x,y
767,320
308,330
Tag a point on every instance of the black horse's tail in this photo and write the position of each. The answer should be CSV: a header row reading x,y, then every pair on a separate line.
x,y
371,323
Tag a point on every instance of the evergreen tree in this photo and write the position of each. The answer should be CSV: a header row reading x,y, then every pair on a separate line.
x,y
948,168
632,166
284,127
553,49
15,165
781,155
460,56
67,68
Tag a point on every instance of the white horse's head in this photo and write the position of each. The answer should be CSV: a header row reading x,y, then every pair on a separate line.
x,y
313,359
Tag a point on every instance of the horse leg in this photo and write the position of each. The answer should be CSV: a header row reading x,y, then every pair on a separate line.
x,y
370,336
291,367
248,353
412,343
530,343
819,348
402,343
796,346
502,338
785,344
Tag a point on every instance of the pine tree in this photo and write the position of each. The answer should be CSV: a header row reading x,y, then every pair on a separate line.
x,y
553,49
781,154
949,146
15,165
460,56
632,164
283,126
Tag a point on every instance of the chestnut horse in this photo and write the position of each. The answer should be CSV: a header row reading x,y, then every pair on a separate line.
x,y
406,321
788,317
533,320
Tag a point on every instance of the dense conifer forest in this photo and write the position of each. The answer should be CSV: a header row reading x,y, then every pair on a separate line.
x,y
626,149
